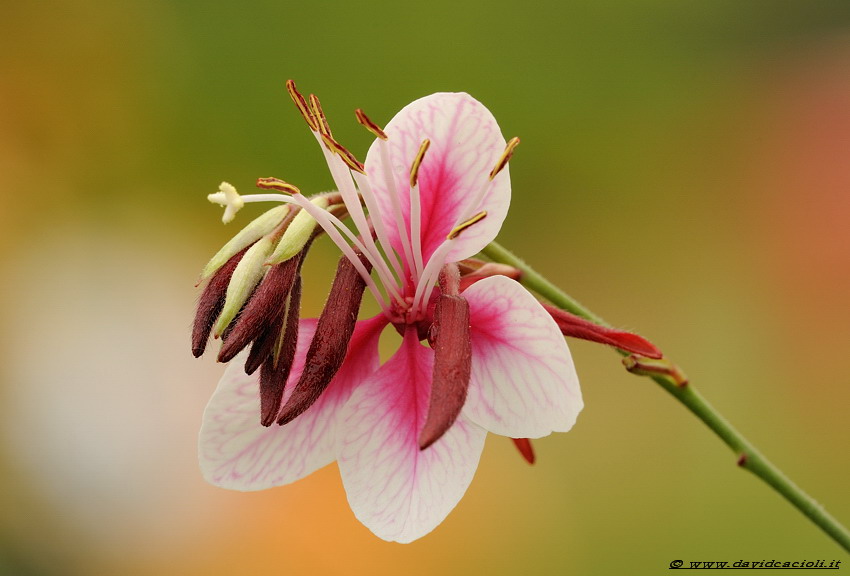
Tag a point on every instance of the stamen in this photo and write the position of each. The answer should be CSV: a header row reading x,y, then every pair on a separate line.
x,y
350,197
455,232
323,219
426,281
369,125
416,207
506,156
377,222
475,201
302,105
343,152
414,169
319,115
389,182
277,184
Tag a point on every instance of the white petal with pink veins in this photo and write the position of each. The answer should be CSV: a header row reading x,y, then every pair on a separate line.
x,y
465,145
236,452
523,383
397,490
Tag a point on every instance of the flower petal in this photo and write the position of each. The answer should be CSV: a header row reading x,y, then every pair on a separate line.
x,y
397,490
236,452
465,145
523,384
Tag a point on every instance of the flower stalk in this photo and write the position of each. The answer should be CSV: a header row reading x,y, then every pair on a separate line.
x,y
748,456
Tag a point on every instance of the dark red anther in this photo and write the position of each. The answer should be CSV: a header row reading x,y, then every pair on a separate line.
x,y
525,448
452,366
330,342
263,314
577,327
277,365
211,303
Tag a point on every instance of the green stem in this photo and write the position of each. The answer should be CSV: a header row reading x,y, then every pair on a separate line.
x,y
748,456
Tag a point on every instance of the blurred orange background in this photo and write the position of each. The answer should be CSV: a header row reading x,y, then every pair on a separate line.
x,y
684,172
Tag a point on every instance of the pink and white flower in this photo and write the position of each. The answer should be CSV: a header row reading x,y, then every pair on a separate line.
x,y
407,434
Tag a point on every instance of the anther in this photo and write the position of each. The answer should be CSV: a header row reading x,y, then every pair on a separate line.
x,y
319,115
277,184
367,123
343,152
301,103
505,157
414,169
455,232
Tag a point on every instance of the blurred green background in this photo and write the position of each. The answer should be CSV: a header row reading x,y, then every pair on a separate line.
x,y
684,172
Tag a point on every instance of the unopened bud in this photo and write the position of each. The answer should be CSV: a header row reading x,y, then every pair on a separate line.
x,y
248,273
258,228
576,327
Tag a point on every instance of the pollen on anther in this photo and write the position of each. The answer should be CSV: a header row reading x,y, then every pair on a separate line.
x,y
455,232
301,103
414,169
344,153
319,115
367,123
277,184
505,157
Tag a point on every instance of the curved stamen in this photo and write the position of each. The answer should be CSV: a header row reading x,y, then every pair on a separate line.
x,y
505,158
350,197
322,218
367,123
500,165
416,207
319,115
302,105
377,222
432,270
392,190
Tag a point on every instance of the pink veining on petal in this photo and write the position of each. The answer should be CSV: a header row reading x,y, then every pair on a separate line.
x,y
523,384
397,490
465,144
236,452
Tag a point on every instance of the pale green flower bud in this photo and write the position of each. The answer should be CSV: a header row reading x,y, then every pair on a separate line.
x,y
298,233
258,228
246,276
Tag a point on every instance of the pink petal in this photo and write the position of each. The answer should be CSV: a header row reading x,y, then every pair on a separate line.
x,y
397,490
236,452
523,384
465,145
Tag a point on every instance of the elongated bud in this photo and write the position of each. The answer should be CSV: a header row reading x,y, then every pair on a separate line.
x,y
277,366
298,234
211,303
265,310
525,448
452,367
247,274
258,228
577,327
330,342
